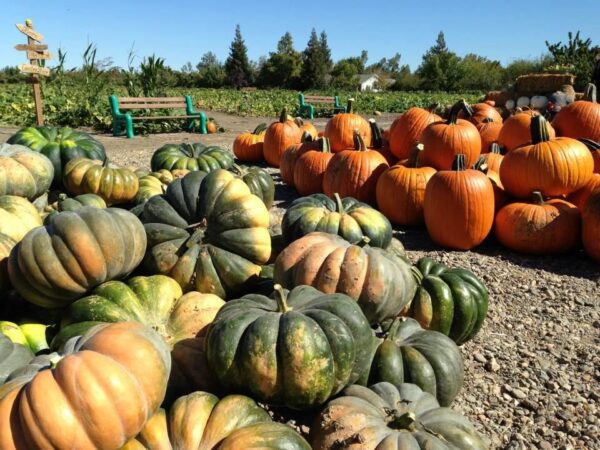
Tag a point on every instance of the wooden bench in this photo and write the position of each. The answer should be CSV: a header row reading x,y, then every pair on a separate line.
x,y
125,119
307,103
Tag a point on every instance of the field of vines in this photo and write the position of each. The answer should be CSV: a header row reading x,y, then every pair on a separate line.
x,y
80,104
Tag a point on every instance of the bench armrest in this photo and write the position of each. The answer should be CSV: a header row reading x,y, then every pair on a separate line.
x,y
192,112
114,107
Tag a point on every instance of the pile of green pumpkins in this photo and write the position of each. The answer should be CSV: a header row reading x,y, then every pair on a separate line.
x,y
155,310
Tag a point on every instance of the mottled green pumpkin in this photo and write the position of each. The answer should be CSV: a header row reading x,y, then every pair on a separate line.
x,y
66,203
192,157
60,145
259,181
409,354
30,334
452,301
200,421
356,222
12,357
391,417
208,232
62,261
23,172
296,349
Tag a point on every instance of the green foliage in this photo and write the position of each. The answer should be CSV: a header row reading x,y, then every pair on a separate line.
x,y
282,68
523,66
344,74
576,56
405,80
316,62
211,72
441,68
480,73
237,66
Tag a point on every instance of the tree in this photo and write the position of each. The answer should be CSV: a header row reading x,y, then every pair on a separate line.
x,y
525,66
283,68
440,69
576,57
405,80
388,66
316,61
479,73
285,46
344,74
237,65
211,72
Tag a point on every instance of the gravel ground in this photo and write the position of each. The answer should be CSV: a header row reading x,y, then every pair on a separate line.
x,y
533,373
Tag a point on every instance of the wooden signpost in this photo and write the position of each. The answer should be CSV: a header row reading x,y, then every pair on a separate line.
x,y
35,52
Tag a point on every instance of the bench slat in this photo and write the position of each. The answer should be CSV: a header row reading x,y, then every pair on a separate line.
x,y
319,99
153,106
162,117
151,99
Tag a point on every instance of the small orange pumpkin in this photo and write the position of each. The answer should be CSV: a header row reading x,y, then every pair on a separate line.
x,y
211,126
278,137
443,140
489,132
591,226
340,129
516,130
480,112
291,154
310,167
401,190
493,158
248,146
354,173
307,127
406,129
580,119
459,206
540,227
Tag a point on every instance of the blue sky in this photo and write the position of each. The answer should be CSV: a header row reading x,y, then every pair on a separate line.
x,y
182,30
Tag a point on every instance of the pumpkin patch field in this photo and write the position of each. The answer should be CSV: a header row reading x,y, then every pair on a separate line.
x,y
429,280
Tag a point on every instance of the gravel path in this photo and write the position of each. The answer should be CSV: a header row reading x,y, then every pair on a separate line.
x,y
533,373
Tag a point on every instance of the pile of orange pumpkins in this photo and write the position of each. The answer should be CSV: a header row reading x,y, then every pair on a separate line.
x,y
535,184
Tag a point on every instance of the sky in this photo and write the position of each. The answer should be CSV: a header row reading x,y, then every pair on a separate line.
x,y
183,30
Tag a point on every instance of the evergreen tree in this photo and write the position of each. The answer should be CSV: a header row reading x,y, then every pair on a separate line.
x,y
441,69
316,61
237,66
283,68
285,46
326,61
210,71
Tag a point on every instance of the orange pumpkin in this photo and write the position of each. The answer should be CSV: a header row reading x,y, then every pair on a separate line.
x,y
96,396
493,158
459,206
500,196
340,129
580,119
578,198
248,146
354,173
211,126
401,190
380,143
540,227
552,166
489,132
279,137
406,129
291,154
307,127
310,167
516,130
591,226
443,140
595,150
480,112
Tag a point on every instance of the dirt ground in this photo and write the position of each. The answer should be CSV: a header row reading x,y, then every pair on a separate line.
x,y
533,373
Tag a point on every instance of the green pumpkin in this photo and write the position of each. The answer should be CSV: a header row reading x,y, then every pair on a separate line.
x,y
31,335
23,172
409,354
391,417
12,357
259,181
192,157
295,349
208,232
452,301
60,145
66,203
354,221
149,186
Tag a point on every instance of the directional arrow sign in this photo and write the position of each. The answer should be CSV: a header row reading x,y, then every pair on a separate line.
x,y
31,47
29,32
30,68
39,55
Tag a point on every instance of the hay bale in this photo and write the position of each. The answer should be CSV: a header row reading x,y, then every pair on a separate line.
x,y
500,97
542,83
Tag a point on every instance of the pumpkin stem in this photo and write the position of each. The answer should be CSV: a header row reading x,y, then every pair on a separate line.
x,y
349,106
590,93
298,121
376,135
481,164
281,298
260,128
359,142
365,240
401,421
591,144
459,106
105,163
496,148
62,196
338,203
488,120
539,129
235,168
54,360
537,198
415,153
324,145
459,163
431,108
283,117
306,137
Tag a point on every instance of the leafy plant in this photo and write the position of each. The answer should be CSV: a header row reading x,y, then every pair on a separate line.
x,y
575,56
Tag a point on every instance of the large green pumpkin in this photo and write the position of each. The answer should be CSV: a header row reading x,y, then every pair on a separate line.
x,y
62,261
23,172
390,417
452,301
191,157
208,232
296,349
354,221
259,181
200,421
60,145
409,354
381,282
12,357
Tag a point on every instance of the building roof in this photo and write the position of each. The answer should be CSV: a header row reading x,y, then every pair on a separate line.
x,y
362,77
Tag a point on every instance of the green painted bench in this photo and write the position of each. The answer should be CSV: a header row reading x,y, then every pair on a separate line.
x,y
308,102
125,120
